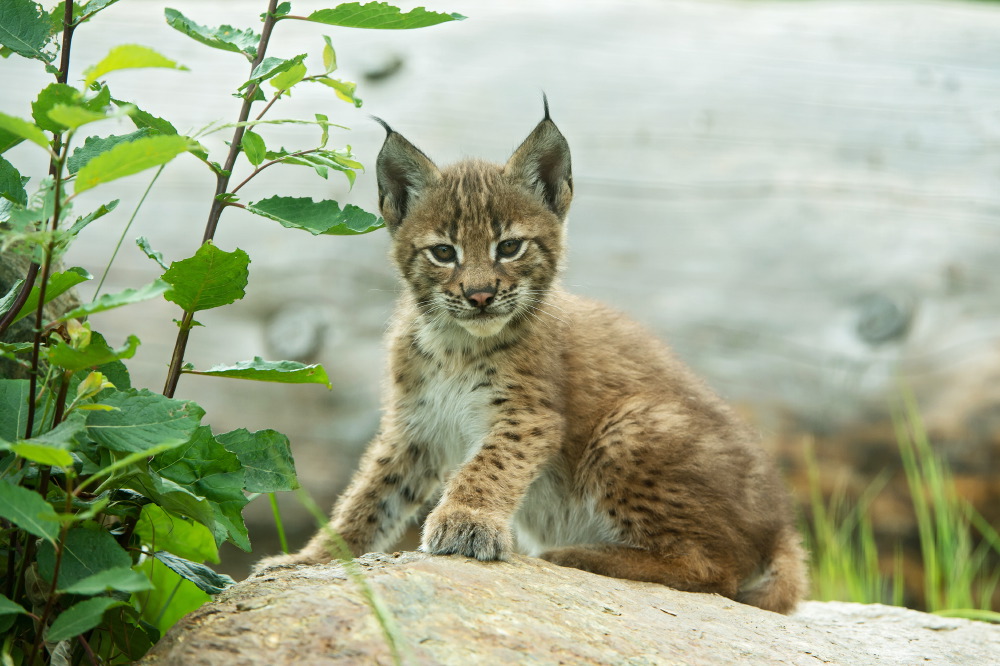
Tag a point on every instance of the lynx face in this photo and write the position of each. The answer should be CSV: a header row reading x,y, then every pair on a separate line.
x,y
477,244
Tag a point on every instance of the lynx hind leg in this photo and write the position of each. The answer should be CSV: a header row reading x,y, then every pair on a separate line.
x,y
785,583
688,569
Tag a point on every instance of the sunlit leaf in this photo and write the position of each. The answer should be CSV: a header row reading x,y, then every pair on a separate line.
x,y
254,147
270,67
185,538
129,158
24,129
128,56
289,77
102,210
51,95
329,55
95,145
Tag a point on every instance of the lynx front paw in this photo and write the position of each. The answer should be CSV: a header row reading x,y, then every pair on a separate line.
x,y
466,532
307,556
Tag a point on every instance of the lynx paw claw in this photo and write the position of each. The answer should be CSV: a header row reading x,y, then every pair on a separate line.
x,y
466,533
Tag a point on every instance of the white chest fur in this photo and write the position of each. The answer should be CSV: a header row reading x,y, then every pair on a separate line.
x,y
449,415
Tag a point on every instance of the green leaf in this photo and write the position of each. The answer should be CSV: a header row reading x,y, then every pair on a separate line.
x,y
329,56
207,580
82,222
23,129
79,618
11,185
283,372
379,15
84,13
253,146
143,420
145,120
43,455
25,29
289,77
128,56
172,597
29,511
76,116
224,37
163,530
129,158
345,89
206,468
86,551
8,607
13,408
112,301
50,96
266,458
172,497
122,579
317,217
95,354
270,67
150,252
8,140
95,145
209,279
58,284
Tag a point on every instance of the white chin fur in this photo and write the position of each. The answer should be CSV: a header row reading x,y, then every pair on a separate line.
x,y
484,328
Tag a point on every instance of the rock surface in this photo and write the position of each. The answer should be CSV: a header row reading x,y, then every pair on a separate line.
x,y
454,610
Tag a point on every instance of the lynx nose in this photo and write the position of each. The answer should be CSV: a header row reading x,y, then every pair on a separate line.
x,y
480,297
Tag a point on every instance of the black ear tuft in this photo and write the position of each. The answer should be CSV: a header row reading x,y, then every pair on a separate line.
x,y
542,164
402,171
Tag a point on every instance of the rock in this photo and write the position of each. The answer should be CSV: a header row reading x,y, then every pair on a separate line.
x,y
455,610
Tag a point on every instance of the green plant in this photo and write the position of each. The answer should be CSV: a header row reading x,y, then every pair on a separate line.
x,y
957,580
112,498
845,558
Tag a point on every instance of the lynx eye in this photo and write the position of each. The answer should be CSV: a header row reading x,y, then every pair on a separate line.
x,y
444,253
509,248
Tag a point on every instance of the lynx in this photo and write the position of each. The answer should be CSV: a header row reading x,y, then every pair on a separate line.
x,y
541,422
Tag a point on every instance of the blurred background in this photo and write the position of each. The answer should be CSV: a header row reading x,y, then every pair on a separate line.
x,y
801,197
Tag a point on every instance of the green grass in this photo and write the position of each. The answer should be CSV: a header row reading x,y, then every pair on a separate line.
x,y
846,562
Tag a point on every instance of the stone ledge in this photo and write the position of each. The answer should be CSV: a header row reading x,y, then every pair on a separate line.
x,y
455,610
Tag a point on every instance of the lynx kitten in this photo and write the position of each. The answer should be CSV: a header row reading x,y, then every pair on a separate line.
x,y
541,422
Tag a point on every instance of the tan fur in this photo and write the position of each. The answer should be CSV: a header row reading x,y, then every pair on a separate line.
x,y
548,423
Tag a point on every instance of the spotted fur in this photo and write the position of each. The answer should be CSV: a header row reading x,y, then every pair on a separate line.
x,y
542,422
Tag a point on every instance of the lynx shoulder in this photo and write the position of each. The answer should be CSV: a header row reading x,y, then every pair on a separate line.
x,y
540,422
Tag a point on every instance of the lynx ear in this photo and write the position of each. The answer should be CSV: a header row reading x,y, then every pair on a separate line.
x,y
542,164
403,171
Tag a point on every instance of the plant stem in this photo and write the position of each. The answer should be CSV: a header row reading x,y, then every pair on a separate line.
x,y
142,200
51,596
221,185
62,77
278,523
271,163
